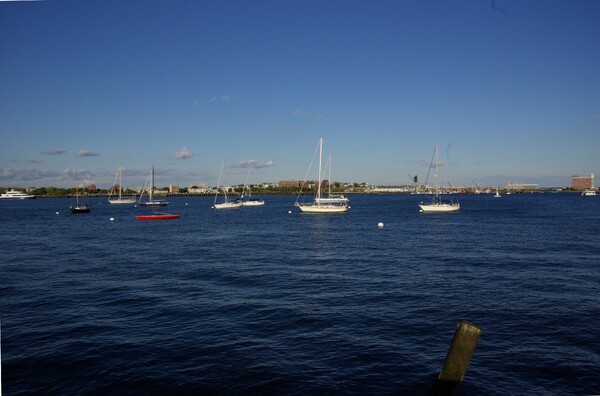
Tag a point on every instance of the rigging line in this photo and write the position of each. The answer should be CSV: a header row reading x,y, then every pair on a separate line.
x,y
307,172
429,170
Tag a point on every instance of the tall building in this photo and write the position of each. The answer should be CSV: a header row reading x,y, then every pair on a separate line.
x,y
580,183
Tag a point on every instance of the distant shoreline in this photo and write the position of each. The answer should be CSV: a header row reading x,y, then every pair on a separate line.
x,y
199,195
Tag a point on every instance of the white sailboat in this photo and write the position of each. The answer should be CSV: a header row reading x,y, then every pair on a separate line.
x,y
437,205
497,195
120,199
332,198
249,201
318,206
226,204
151,202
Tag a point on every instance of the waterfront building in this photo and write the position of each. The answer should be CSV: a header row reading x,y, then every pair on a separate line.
x,y
522,187
580,183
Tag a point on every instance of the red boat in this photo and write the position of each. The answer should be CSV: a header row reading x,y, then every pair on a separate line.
x,y
158,217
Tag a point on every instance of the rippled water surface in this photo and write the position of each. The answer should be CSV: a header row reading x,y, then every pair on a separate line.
x,y
261,301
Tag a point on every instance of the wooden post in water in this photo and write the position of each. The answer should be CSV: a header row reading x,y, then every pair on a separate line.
x,y
460,353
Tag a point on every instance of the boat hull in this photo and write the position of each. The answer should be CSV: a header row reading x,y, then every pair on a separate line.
x,y
228,205
122,201
80,209
157,217
439,207
322,208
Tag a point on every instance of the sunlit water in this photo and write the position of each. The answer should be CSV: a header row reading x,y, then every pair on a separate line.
x,y
260,301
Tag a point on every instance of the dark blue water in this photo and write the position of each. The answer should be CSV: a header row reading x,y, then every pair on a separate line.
x,y
260,301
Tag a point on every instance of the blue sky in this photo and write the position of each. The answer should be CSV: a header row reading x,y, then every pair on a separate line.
x,y
510,90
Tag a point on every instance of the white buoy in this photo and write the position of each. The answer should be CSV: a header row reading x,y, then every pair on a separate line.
x,y
186,204
289,211
380,225
112,219
57,213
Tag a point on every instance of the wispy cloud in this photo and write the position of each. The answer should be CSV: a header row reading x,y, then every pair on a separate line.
x,y
214,99
36,161
596,116
54,152
16,175
184,153
304,114
86,153
289,128
253,164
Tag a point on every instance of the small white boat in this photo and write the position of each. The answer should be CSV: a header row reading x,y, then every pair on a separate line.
x,y
120,199
437,206
151,202
14,194
249,201
589,193
318,206
226,204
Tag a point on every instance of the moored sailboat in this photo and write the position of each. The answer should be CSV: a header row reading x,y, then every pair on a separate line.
x,y
437,205
248,200
151,202
79,208
120,199
318,206
226,204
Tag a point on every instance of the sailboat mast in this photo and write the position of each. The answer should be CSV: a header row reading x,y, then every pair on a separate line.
x,y
329,181
76,190
320,176
120,182
152,185
436,170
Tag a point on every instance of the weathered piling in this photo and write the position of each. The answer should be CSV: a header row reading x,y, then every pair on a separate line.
x,y
463,345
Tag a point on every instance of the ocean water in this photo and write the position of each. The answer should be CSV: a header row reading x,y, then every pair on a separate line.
x,y
261,301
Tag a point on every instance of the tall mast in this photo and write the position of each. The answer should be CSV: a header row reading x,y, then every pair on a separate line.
x,y
329,181
76,190
120,182
320,176
436,170
152,185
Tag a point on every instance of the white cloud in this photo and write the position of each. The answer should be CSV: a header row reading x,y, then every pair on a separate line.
x,y
253,164
86,153
184,153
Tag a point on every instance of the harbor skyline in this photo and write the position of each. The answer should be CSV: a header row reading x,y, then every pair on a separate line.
x,y
508,89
